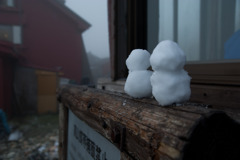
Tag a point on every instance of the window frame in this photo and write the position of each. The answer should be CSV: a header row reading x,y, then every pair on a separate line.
x,y
126,19
215,72
217,78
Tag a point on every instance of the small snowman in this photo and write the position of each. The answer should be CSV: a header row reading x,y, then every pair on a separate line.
x,y
138,83
170,82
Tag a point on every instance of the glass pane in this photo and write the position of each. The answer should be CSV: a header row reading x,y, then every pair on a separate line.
x,y
10,3
207,30
7,3
17,35
6,33
188,30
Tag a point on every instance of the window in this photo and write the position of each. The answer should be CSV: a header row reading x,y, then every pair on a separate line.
x,y
7,3
207,30
6,33
17,34
11,33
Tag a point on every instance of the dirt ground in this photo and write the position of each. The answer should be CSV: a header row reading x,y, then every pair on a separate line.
x,y
38,138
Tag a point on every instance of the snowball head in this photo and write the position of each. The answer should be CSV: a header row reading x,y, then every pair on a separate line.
x,y
167,55
170,87
138,60
138,84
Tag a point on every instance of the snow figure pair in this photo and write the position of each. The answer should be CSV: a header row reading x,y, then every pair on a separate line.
x,y
169,83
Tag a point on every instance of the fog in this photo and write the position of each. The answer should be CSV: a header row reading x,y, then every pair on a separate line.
x,y
95,13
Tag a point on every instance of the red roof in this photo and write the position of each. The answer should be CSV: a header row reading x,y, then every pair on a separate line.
x,y
81,23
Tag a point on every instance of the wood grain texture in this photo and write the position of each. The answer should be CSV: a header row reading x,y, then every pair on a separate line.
x,y
224,97
220,73
219,97
140,128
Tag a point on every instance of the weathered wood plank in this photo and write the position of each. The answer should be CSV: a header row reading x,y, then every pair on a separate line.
x,y
146,130
110,85
219,97
221,73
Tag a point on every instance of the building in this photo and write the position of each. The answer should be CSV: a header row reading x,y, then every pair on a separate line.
x,y
38,38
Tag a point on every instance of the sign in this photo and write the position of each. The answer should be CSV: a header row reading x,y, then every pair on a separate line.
x,y
84,143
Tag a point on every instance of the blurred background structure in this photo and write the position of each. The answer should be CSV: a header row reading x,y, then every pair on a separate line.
x,y
42,47
48,43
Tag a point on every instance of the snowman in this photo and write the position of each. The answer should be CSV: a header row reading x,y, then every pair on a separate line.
x,y
170,82
138,83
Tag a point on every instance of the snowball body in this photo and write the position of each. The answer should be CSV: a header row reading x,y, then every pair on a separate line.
x,y
138,83
170,83
173,87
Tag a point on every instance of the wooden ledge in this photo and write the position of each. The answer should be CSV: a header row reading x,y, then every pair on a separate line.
x,y
142,129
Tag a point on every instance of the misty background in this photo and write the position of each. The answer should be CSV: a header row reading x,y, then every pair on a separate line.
x,y
96,37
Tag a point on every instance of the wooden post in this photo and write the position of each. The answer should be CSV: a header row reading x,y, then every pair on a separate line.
x,y
142,129
63,127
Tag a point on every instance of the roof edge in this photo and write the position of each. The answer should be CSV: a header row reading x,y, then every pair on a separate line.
x,y
81,23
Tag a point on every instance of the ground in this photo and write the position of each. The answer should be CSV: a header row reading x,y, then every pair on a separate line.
x,y
39,140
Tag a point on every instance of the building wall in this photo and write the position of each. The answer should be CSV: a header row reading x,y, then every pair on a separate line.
x,y
1,84
6,80
52,40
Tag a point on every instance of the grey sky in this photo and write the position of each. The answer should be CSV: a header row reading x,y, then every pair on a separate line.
x,y
95,13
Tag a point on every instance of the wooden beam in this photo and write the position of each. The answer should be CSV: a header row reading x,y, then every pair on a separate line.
x,y
224,97
220,73
217,96
142,129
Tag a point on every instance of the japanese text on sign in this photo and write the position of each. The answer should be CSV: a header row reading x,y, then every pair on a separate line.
x,y
84,143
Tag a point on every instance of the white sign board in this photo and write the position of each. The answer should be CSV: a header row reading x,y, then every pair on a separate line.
x,y
84,143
